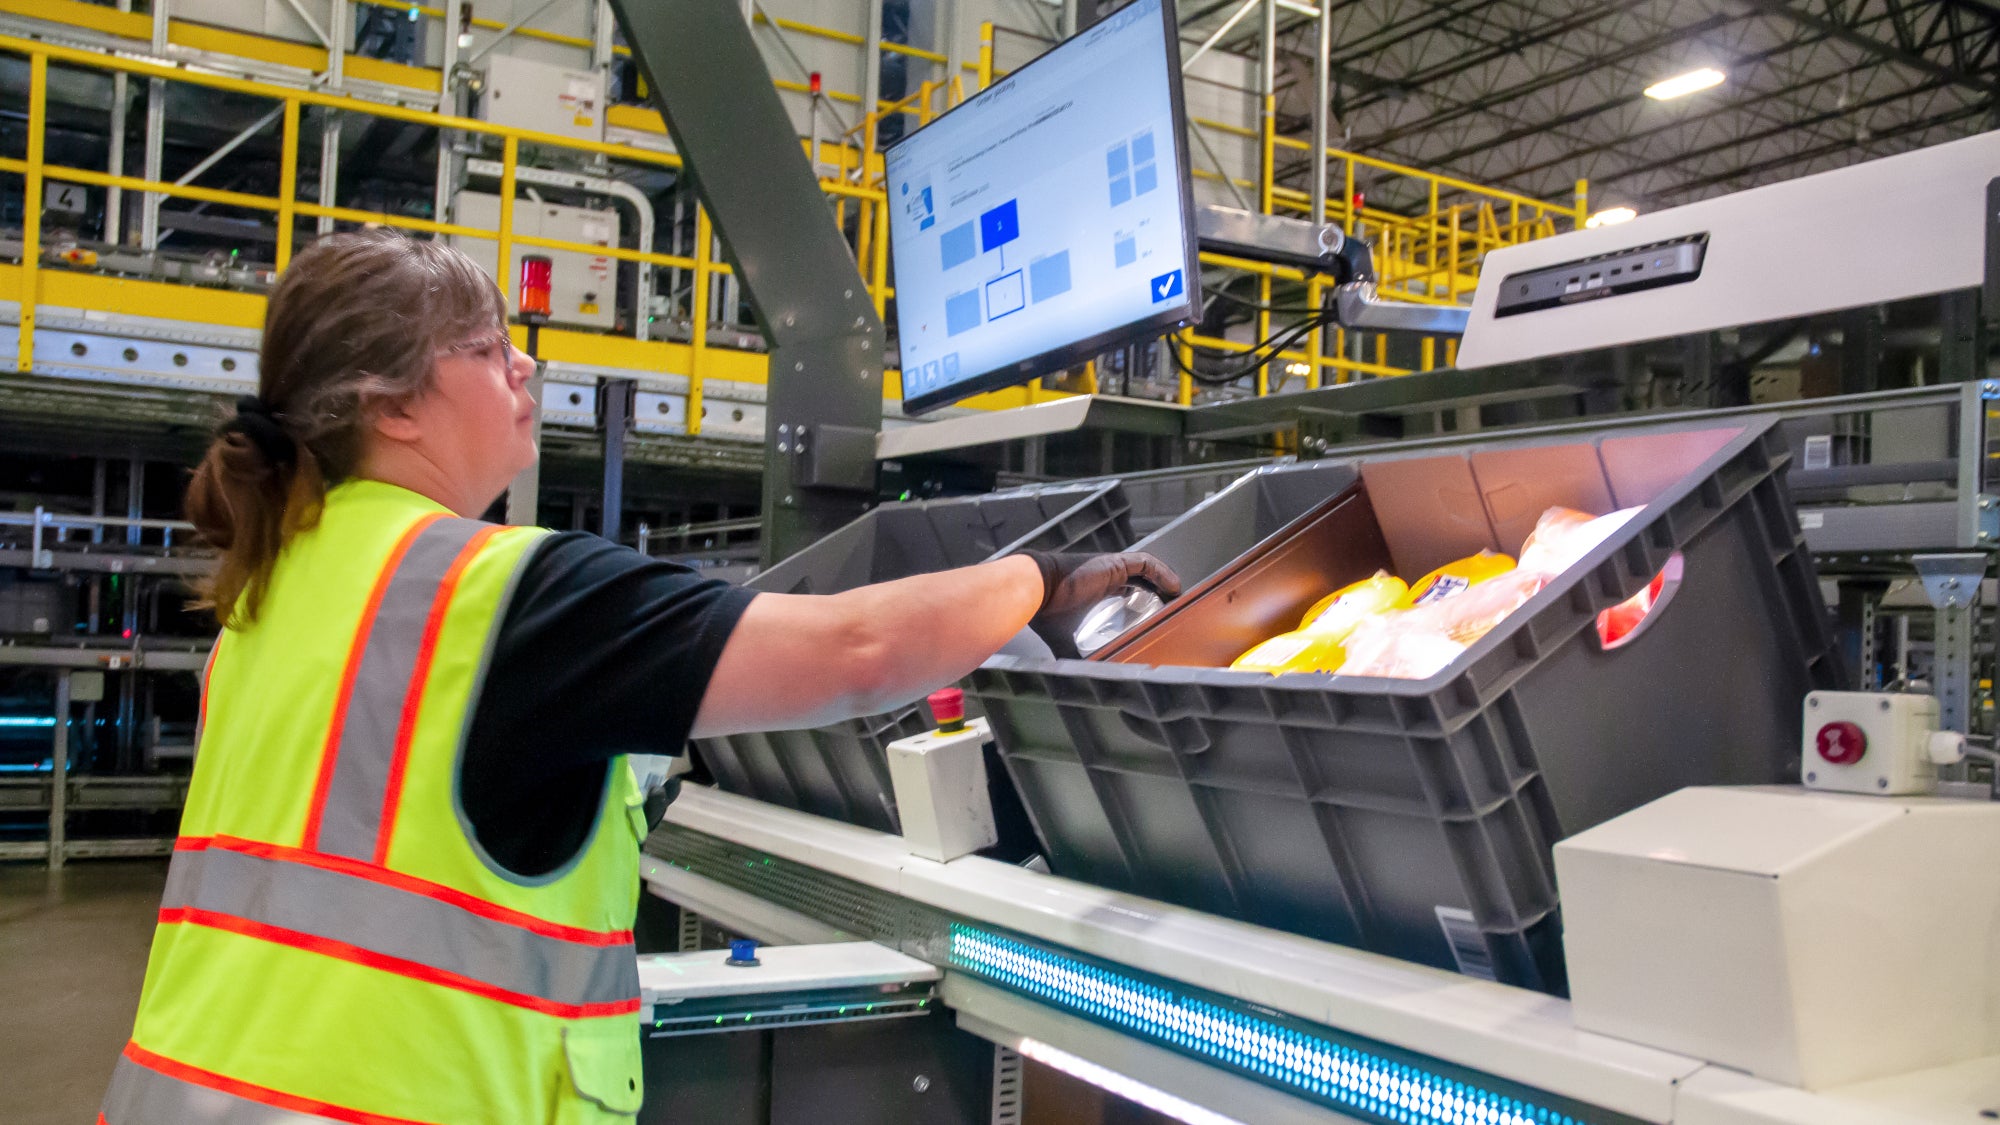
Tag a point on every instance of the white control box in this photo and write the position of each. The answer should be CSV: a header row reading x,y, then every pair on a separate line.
x,y
1811,939
583,288
534,95
1869,742
941,794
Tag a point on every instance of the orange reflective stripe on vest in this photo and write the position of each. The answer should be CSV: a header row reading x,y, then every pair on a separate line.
x,y
360,913
146,1087
360,777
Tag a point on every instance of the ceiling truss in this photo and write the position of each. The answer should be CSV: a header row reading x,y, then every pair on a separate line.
x,y
1533,95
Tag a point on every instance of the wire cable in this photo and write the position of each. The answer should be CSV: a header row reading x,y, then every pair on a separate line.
x,y
1258,356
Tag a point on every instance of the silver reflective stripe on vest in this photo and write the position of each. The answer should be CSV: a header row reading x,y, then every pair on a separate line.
x,y
351,823
142,1096
402,924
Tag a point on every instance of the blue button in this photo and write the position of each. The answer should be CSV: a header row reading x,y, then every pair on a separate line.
x,y
742,951
1167,285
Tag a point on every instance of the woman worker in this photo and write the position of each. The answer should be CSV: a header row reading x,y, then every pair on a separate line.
x,y
407,873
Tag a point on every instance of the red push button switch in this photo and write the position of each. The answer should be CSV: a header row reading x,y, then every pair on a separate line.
x,y
1842,743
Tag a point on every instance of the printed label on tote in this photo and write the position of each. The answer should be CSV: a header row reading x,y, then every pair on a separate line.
x,y
1468,944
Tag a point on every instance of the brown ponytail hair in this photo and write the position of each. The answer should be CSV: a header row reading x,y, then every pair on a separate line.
x,y
357,319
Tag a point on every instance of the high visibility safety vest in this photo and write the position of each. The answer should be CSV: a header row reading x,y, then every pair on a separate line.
x,y
334,944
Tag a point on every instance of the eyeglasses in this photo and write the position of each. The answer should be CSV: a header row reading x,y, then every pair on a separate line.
x,y
501,339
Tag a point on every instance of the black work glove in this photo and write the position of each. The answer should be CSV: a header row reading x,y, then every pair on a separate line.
x,y
658,798
1072,583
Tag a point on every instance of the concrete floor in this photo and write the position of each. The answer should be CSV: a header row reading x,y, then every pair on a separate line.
x,y
72,956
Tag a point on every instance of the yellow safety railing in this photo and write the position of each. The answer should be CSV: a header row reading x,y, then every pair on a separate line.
x,y
1432,257
287,208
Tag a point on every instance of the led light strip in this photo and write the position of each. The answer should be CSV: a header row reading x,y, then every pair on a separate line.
x,y
1362,1083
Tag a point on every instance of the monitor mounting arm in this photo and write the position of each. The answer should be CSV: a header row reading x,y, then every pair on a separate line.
x,y
1323,248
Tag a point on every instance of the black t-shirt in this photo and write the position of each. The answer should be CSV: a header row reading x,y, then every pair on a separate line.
x,y
602,652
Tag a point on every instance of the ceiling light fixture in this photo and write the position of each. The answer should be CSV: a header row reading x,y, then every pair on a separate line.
x,y
1683,84
1611,216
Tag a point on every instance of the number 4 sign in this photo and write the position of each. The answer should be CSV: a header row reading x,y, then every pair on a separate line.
x,y
63,197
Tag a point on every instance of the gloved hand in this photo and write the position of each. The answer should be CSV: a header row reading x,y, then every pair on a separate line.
x,y
1072,583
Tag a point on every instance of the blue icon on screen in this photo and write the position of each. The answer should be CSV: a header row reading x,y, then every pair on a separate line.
x,y
999,226
930,378
1166,286
951,365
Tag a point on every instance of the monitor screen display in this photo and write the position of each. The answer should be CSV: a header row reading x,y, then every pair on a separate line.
x,y
1049,217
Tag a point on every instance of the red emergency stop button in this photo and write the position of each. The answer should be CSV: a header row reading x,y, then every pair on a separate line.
x,y
1841,743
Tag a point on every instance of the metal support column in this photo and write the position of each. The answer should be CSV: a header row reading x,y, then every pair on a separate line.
x,y
603,28
1961,352
1989,298
59,775
614,397
871,84
329,167
1857,614
114,198
954,60
156,134
1951,582
1322,96
714,92
1267,130
448,91
337,39
31,211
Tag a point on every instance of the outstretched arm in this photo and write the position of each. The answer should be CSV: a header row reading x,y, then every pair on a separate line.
x,y
803,660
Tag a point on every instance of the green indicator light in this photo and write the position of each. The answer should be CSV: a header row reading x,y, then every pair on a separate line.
x,y
718,1019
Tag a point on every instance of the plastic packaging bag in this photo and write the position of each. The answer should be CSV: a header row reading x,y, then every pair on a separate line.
x,y
1298,651
1564,535
1339,612
1317,645
1454,578
1420,641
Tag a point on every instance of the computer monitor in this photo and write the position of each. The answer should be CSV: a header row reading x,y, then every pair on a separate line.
x,y
1049,217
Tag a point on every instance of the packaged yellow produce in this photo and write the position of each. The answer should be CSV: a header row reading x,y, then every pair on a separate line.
x,y
1302,651
1339,612
1457,577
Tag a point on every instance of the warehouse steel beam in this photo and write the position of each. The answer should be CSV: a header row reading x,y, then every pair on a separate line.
x,y
1773,132
1626,140
824,396
1455,20
1497,98
1966,36
1914,128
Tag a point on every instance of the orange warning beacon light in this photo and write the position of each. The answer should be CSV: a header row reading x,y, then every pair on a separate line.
x,y
537,274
